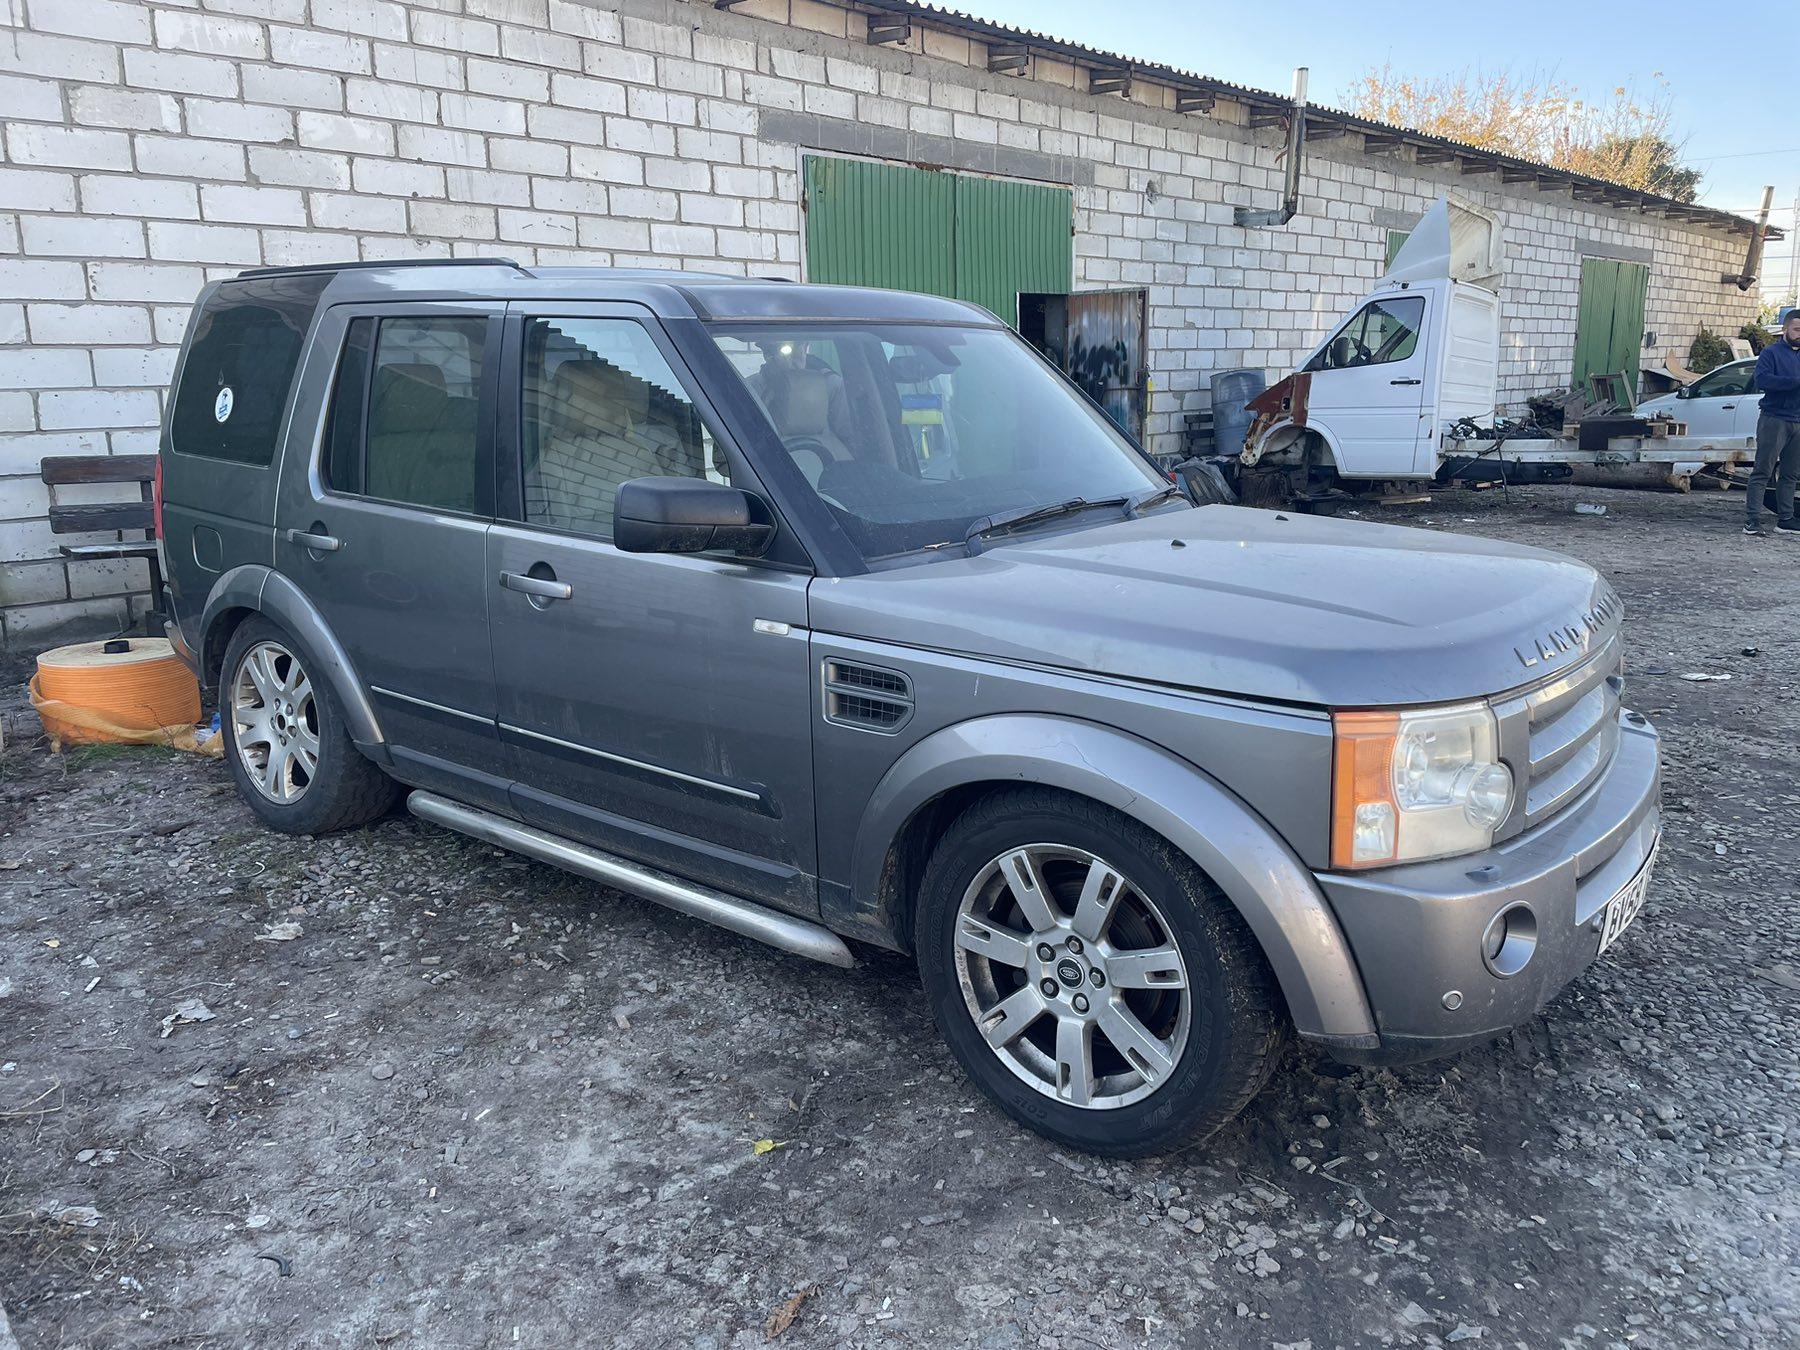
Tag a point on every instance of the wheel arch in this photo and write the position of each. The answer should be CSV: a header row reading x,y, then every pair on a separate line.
x,y
255,589
1287,433
1263,878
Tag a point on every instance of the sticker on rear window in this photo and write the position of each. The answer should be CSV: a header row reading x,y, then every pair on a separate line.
x,y
222,404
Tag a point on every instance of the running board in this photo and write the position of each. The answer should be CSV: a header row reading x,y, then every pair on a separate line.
x,y
744,917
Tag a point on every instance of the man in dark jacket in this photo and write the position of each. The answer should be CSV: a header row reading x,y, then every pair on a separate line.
x,y
1777,430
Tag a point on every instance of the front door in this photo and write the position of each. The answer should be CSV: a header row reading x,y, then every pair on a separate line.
x,y
653,705
386,533
1723,402
1368,389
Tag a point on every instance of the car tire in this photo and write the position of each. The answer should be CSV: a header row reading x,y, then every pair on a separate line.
x,y
286,738
970,928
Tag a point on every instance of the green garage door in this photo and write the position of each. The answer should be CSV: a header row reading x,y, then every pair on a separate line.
x,y
978,239
1609,329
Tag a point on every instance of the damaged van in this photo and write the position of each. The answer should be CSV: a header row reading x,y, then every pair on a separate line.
x,y
835,616
1413,365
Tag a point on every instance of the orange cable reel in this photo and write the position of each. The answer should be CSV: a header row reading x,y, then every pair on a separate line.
x,y
130,691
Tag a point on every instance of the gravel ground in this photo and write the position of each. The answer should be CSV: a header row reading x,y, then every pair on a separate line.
x,y
474,1101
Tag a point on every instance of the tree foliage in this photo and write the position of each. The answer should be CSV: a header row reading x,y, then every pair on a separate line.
x,y
1708,352
1623,139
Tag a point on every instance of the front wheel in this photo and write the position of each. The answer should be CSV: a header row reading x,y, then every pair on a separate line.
x,y
286,742
1089,977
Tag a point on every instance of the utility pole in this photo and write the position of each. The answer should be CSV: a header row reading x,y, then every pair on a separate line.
x,y
1793,286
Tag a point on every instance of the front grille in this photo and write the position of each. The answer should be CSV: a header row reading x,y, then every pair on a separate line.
x,y
1559,736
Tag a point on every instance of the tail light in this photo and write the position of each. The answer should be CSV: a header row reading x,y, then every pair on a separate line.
x,y
156,498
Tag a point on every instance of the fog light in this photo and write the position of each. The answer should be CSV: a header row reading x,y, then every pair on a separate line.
x,y
1510,940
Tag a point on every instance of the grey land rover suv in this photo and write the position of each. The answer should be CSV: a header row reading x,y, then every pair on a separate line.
x,y
824,613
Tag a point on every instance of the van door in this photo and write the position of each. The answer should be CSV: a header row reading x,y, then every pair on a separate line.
x,y
1368,388
656,706
385,530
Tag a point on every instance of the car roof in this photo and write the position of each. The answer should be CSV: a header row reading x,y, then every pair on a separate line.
x,y
669,294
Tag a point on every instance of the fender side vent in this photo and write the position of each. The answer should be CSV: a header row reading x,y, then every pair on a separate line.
x,y
867,698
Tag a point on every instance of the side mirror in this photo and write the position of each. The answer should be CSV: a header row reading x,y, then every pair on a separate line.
x,y
1686,391
689,515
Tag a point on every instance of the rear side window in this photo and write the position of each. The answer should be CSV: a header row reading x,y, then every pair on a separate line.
x,y
405,412
240,368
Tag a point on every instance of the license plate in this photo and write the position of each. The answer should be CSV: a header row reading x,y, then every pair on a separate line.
x,y
1626,905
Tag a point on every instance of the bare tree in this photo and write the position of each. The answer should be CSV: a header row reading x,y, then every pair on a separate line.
x,y
1624,139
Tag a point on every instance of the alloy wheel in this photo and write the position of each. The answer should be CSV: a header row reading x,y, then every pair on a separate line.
x,y
1073,976
275,722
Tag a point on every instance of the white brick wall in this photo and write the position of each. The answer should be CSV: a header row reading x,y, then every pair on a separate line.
x,y
149,146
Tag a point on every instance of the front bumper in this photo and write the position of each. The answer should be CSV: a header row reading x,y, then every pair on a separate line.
x,y
1416,930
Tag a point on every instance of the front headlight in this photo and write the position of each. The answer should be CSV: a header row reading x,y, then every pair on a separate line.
x,y
1407,786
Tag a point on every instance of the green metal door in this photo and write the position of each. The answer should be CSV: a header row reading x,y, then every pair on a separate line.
x,y
1609,325
880,225
978,239
1011,237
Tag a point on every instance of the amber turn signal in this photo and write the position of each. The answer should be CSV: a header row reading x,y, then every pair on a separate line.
x,y
1365,819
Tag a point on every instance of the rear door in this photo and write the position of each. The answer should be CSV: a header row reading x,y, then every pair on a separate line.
x,y
386,531
1368,388
653,705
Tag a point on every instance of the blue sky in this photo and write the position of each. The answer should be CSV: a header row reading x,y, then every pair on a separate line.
x,y
1725,64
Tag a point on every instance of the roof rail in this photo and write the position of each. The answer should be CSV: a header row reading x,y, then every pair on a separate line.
x,y
306,268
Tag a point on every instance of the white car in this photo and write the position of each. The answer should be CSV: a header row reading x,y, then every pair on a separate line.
x,y
1721,403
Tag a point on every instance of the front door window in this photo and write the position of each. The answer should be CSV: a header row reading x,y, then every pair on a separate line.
x,y
602,407
1382,331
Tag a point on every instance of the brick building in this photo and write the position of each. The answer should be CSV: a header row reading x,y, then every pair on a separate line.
x,y
149,146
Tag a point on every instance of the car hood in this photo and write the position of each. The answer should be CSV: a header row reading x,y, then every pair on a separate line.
x,y
1299,609
1663,403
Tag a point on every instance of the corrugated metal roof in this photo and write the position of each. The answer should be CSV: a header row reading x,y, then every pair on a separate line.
x,y
1317,116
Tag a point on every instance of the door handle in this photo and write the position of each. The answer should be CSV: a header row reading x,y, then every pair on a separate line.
x,y
1405,381
318,543
539,588
1727,407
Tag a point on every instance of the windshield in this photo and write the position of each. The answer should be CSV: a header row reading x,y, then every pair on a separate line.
x,y
914,434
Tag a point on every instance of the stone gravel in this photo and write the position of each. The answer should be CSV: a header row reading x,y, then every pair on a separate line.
x,y
474,1101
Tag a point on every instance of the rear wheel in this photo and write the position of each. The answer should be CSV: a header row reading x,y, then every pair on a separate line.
x,y
285,739
1090,979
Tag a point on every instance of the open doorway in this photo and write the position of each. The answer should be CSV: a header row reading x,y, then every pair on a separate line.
x,y
1100,340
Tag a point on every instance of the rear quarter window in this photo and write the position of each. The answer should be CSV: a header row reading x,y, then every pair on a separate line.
x,y
240,368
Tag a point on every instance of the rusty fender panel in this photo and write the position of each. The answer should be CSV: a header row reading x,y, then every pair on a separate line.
x,y
1283,401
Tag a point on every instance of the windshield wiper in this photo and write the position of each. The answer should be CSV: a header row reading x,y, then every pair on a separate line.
x,y
1138,505
1032,515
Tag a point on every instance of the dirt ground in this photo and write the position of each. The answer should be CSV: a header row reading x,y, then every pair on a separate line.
x,y
479,1102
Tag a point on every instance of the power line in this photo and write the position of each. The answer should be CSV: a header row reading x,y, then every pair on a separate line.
x,y
1740,154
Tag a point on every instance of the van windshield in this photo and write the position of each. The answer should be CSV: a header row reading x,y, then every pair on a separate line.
x,y
913,433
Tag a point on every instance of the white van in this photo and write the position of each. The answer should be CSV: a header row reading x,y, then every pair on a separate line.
x,y
1416,359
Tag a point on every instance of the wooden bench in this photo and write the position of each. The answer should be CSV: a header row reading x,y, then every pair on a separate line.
x,y
92,517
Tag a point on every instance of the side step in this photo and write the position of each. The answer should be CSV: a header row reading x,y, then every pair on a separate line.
x,y
727,911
